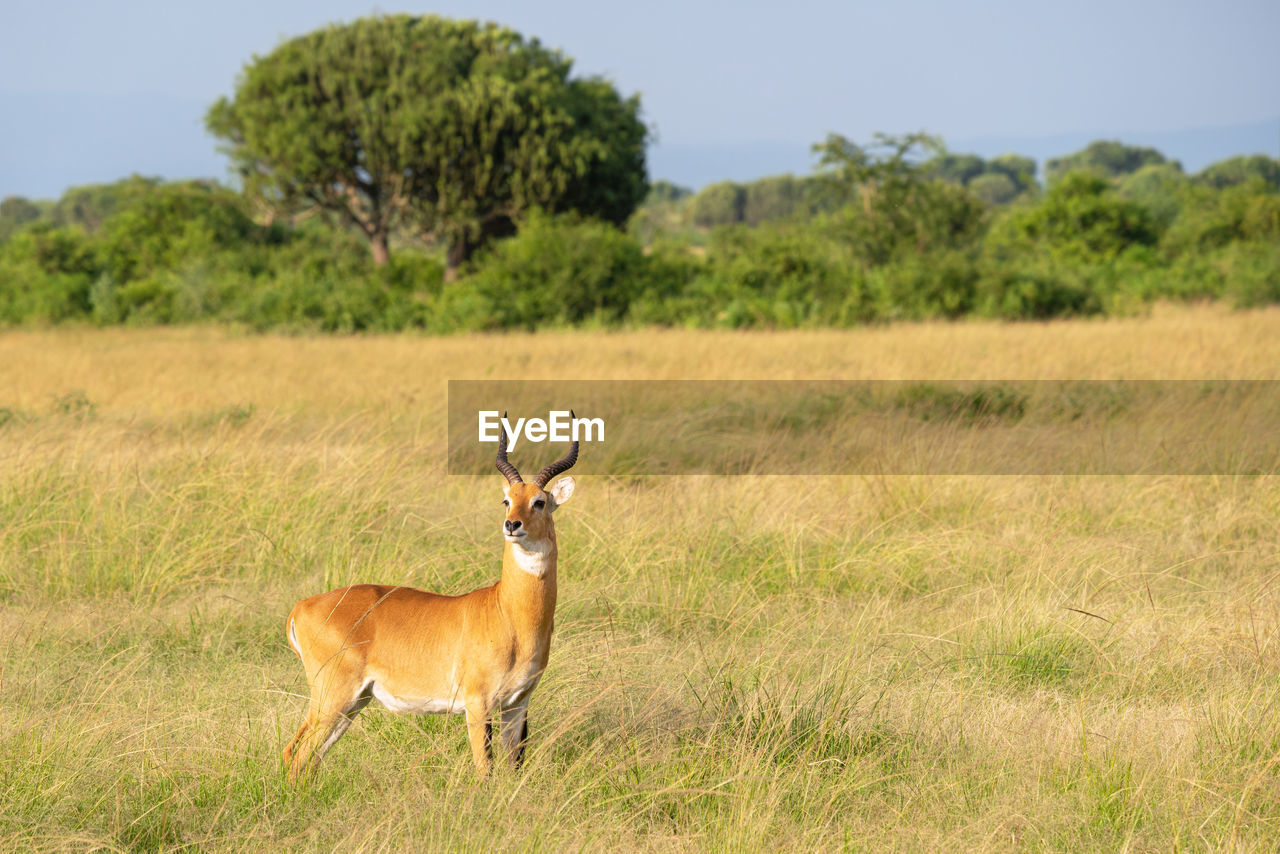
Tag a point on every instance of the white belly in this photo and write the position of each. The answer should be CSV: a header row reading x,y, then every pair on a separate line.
x,y
418,705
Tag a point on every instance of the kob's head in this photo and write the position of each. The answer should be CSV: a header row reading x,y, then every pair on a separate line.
x,y
530,505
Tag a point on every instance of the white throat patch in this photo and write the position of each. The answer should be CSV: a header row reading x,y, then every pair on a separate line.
x,y
534,559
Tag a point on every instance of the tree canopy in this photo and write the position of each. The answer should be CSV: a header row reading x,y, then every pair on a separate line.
x,y
15,212
892,204
453,129
1240,170
996,181
1105,157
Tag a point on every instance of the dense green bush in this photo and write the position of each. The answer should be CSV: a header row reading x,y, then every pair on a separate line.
x,y
772,276
925,286
1081,220
46,274
174,222
1035,289
897,240
560,271
1069,254
89,206
882,228
1160,188
777,276
1250,273
188,252
1210,219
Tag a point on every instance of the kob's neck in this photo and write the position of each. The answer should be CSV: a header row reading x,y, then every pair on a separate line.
x,y
528,585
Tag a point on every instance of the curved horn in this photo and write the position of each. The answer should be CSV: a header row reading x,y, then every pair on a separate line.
x,y
512,475
560,465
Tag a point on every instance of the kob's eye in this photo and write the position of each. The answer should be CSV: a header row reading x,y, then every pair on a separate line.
x,y
539,503
506,502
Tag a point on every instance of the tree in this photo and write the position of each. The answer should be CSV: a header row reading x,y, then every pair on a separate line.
x,y
1239,170
1108,158
1018,169
1161,188
455,129
15,212
994,188
90,205
996,181
778,197
893,205
722,203
887,168
615,180
1210,218
666,191
171,222
663,211
957,168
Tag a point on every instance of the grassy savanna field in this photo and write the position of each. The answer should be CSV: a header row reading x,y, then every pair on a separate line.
x,y
919,663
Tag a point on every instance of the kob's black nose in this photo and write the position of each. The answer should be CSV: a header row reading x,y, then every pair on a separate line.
x,y
511,526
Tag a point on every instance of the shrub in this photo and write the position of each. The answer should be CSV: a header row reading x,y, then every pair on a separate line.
x,y
46,274
560,270
1250,273
160,229
940,284
1032,289
1161,188
1211,219
778,276
920,218
1080,220
90,205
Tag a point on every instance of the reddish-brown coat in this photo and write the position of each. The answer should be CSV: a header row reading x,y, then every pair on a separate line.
x,y
481,652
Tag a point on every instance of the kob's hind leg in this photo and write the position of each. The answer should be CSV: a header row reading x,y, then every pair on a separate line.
x,y
324,725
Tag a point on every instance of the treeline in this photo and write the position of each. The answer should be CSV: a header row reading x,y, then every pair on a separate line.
x,y
879,232
782,198
402,172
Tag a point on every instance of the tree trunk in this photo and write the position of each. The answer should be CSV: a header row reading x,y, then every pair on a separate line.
x,y
462,248
381,252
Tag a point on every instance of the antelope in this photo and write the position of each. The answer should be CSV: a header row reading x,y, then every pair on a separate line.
x,y
480,654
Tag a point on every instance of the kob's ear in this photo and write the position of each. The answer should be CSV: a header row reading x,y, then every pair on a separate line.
x,y
561,490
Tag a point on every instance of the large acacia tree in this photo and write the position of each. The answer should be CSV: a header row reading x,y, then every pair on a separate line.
x,y
453,128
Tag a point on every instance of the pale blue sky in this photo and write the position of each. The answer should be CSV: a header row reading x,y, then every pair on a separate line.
x,y
91,91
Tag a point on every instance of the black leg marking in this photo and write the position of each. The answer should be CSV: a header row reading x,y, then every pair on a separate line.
x,y
488,739
524,737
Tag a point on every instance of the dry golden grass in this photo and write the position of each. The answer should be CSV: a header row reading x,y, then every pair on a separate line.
x,y
912,663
